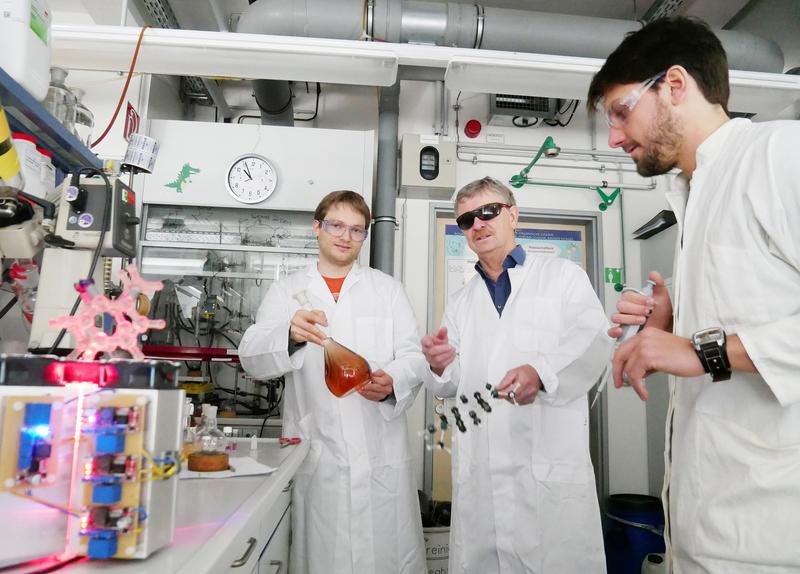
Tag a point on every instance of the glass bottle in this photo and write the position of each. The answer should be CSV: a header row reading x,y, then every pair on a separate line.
x,y
84,118
188,428
345,370
60,101
210,444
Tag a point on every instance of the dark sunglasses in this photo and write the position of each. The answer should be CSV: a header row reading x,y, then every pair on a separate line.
x,y
484,213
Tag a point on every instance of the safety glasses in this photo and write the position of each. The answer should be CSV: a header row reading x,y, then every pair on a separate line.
x,y
338,229
620,110
484,213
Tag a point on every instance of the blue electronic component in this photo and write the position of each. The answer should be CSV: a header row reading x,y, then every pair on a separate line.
x,y
42,450
110,443
102,545
26,446
106,493
105,416
37,414
33,443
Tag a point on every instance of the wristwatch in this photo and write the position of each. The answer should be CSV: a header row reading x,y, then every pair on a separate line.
x,y
710,347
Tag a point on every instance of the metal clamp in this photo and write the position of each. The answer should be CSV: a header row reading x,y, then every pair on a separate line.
x,y
251,545
278,563
386,219
479,27
288,486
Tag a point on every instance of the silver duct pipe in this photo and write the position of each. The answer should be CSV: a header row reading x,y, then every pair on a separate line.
x,y
472,26
383,200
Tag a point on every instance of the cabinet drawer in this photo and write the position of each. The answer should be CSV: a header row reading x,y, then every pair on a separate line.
x,y
243,554
275,558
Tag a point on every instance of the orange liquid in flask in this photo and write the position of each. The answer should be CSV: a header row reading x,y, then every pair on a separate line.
x,y
345,371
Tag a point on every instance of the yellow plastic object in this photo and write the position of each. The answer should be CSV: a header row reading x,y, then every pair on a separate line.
x,y
9,160
197,388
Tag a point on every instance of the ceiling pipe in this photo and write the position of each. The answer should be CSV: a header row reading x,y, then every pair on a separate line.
x,y
473,26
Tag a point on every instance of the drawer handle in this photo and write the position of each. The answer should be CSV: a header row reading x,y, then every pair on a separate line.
x,y
251,545
278,563
288,486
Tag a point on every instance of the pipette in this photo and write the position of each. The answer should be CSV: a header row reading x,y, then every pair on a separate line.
x,y
628,331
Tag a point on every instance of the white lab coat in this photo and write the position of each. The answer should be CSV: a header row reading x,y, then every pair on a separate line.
x,y
355,507
524,497
733,484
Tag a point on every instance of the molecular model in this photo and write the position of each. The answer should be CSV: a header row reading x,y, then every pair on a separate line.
x,y
91,340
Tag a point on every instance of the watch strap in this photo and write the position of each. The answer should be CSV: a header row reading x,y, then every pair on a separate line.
x,y
715,361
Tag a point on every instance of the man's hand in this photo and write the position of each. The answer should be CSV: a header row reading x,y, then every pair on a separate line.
x,y
654,350
635,309
438,352
524,381
379,387
302,327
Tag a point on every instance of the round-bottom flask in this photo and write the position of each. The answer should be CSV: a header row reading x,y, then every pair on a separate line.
x,y
345,371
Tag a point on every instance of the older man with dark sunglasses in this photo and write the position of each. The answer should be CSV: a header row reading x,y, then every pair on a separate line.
x,y
532,327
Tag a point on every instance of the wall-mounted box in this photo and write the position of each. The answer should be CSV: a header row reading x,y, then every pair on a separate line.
x,y
428,167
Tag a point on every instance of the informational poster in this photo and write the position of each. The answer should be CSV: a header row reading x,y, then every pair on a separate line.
x,y
564,241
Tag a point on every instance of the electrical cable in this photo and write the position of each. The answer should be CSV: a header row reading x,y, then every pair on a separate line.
x,y
313,117
43,502
226,337
316,107
457,107
524,125
58,566
124,89
557,122
9,305
274,408
104,226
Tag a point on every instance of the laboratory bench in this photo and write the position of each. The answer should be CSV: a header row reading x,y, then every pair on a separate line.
x,y
235,525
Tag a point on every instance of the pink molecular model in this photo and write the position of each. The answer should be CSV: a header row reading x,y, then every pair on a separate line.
x,y
128,323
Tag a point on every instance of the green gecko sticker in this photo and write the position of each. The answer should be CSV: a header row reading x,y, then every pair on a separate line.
x,y
183,177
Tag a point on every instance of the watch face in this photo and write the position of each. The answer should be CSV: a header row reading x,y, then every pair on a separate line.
x,y
251,179
713,335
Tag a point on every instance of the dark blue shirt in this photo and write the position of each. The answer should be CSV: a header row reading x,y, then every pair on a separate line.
x,y
500,291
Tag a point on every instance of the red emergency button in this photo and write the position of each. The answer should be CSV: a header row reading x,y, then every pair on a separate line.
x,y
472,128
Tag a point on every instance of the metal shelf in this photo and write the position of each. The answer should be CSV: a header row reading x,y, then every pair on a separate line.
x,y
220,274
225,247
27,115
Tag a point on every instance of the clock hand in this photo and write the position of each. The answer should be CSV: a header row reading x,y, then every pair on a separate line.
x,y
247,173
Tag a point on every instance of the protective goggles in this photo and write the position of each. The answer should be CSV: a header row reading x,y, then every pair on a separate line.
x,y
484,213
338,229
620,110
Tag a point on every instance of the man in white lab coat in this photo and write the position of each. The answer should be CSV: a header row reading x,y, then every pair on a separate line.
x,y
354,506
731,334
524,497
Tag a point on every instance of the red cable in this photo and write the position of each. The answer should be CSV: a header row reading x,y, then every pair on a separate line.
x,y
124,90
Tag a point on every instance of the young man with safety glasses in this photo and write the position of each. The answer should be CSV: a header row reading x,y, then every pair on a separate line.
x,y
731,333
531,326
354,503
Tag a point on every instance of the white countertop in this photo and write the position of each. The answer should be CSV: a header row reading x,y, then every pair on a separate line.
x,y
211,515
